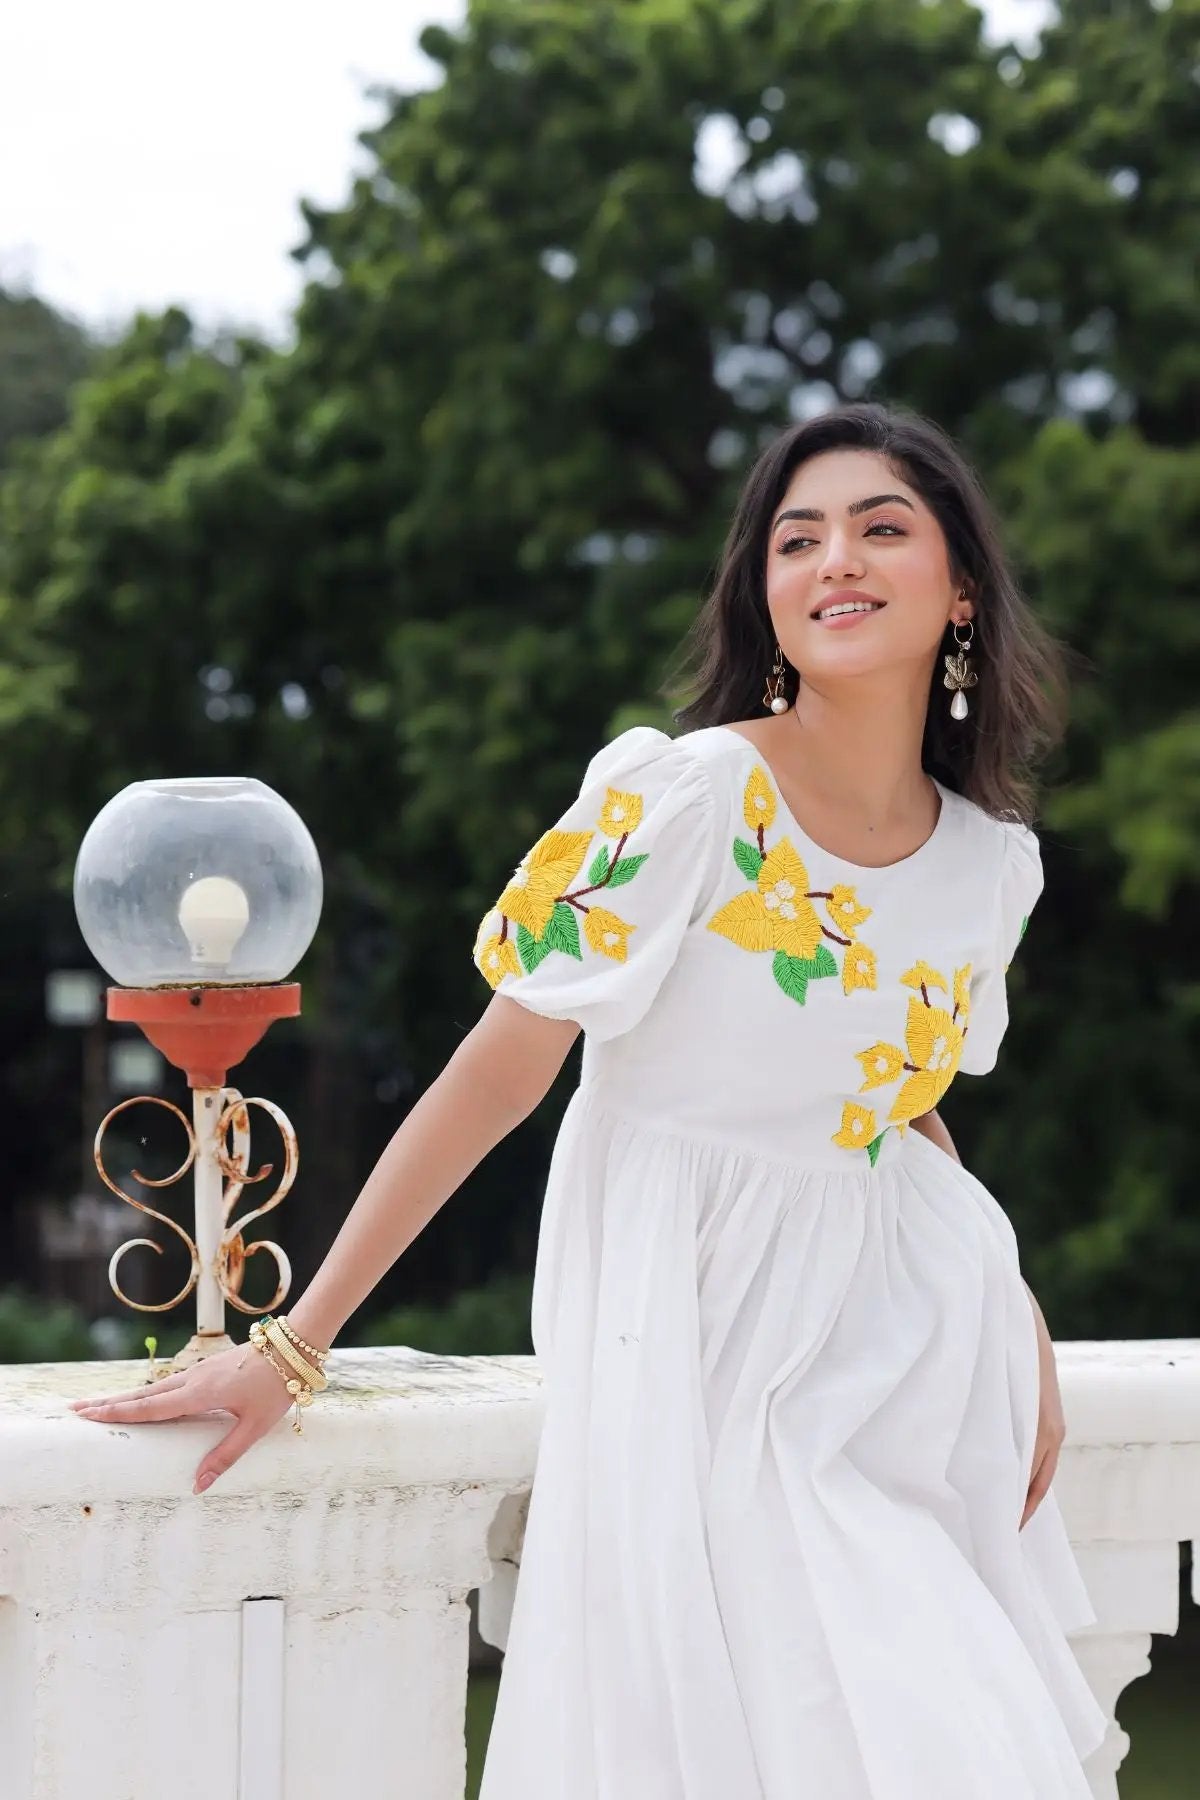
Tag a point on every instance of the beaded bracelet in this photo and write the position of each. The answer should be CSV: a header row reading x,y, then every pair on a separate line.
x,y
302,1380
285,1324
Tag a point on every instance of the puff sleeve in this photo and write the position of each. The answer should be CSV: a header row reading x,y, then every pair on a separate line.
x,y
1019,885
592,917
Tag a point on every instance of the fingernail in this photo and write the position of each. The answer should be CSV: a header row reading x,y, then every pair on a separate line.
x,y
204,1482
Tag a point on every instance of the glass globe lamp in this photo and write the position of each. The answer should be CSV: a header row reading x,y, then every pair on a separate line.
x,y
199,897
198,882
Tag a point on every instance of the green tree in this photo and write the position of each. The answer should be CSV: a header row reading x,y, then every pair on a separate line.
x,y
411,570
42,355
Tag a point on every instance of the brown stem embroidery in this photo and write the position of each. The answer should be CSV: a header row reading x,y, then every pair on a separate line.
x,y
573,898
827,894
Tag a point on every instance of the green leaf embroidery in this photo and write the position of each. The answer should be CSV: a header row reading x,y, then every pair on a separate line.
x,y
531,950
789,972
562,933
813,967
625,869
599,868
1024,922
748,858
873,1146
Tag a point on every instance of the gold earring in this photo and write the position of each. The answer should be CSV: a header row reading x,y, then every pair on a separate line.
x,y
960,673
773,694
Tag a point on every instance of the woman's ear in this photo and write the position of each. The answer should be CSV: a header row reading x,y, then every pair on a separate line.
x,y
963,607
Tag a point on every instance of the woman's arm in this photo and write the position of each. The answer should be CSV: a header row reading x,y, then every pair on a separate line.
x,y
496,1077
1051,1431
930,1125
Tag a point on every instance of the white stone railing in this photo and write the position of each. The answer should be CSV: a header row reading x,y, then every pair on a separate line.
x,y
301,1630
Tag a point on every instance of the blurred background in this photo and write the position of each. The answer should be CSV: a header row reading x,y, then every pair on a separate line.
x,y
375,385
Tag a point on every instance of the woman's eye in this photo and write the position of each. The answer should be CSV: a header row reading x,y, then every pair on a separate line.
x,y
793,543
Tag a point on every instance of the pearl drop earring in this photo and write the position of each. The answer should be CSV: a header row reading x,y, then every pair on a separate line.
x,y
960,674
773,694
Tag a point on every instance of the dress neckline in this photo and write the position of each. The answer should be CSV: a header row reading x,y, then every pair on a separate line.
x,y
860,869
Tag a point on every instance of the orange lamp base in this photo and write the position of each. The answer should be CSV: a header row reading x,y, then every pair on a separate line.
x,y
205,1031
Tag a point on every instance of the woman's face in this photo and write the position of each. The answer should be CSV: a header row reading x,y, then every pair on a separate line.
x,y
892,551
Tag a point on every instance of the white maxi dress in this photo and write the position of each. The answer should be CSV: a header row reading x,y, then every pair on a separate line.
x,y
790,1368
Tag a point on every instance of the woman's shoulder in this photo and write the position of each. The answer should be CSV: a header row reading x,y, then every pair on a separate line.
x,y
1005,855
1008,837
646,752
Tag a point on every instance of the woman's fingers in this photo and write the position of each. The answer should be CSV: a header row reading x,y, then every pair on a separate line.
x,y
174,1403
1039,1487
234,1382
165,1386
222,1456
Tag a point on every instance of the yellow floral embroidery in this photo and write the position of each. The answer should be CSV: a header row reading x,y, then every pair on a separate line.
x,y
497,957
778,914
858,1127
933,1046
540,878
921,975
962,991
621,813
845,908
858,968
758,801
606,933
539,911
934,1043
880,1064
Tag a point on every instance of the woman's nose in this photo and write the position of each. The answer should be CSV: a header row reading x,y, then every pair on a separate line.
x,y
840,558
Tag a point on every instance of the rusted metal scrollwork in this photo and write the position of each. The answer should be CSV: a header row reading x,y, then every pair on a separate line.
x,y
147,1182
233,1254
224,1149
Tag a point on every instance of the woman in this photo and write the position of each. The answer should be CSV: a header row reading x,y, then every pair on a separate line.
x,y
791,1528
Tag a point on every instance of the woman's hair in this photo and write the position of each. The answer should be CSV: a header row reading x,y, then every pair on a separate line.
x,y
1017,709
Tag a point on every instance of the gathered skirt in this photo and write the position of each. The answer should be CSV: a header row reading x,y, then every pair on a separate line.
x,y
773,1545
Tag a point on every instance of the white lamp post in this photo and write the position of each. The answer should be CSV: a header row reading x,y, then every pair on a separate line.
x,y
199,897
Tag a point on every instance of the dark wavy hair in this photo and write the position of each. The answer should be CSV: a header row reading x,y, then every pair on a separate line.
x,y
1019,707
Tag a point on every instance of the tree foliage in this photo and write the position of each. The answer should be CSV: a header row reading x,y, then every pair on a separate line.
x,y
42,356
411,569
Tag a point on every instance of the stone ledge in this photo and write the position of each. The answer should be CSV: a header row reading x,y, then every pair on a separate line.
x,y
390,1416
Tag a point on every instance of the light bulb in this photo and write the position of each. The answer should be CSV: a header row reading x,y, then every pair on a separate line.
x,y
213,913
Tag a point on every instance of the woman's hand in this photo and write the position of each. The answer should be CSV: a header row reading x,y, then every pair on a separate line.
x,y
239,1381
1051,1426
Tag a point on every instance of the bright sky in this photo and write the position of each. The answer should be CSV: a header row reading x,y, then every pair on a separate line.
x,y
154,151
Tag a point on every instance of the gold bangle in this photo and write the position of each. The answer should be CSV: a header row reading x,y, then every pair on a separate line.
x,y
304,1369
279,1334
315,1377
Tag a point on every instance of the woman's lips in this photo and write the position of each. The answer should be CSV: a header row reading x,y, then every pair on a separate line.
x,y
840,621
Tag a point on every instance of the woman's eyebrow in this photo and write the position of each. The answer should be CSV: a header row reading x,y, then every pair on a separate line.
x,y
855,506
